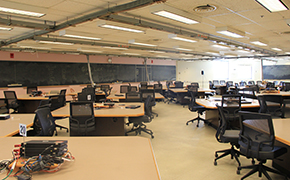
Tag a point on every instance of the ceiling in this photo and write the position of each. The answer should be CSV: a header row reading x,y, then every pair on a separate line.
x,y
82,17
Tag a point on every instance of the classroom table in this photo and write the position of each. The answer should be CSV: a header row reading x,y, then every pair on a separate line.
x,y
122,96
182,92
105,158
282,138
109,121
10,127
28,104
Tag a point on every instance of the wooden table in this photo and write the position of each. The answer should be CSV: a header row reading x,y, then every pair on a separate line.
x,y
29,104
122,96
10,127
282,138
181,92
109,121
104,158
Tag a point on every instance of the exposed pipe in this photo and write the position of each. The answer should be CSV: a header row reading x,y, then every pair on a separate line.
x,y
90,72
85,18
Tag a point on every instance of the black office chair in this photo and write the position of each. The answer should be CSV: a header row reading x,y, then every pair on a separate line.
x,y
248,93
223,135
158,88
194,84
286,86
193,107
210,85
30,89
3,106
124,88
256,140
46,120
138,122
133,89
178,84
82,118
149,92
259,83
58,100
243,83
107,89
133,97
251,82
222,82
215,82
11,98
277,107
169,95
231,104
87,94
143,85
270,85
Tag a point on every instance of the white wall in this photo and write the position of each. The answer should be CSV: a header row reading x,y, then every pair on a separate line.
x,y
228,70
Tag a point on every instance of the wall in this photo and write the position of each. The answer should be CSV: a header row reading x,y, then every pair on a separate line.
x,y
280,62
228,70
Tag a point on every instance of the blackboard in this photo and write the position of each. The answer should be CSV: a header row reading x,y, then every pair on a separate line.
x,y
54,73
276,72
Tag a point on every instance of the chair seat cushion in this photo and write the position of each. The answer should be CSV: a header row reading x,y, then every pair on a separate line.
x,y
231,136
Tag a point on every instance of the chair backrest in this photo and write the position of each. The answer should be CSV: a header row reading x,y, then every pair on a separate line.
x,y
263,105
3,106
133,97
88,94
46,120
229,83
257,134
193,92
251,82
11,98
148,92
270,85
222,124
30,89
259,83
215,82
286,86
62,99
82,118
195,84
158,88
148,107
243,83
178,84
124,88
222,82
231,103
248,93
133,89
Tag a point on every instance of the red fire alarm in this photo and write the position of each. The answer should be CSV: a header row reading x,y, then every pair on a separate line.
x,y
152,61
11,55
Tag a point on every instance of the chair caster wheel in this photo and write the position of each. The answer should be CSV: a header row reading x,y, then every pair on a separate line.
x,y
197,125
215,163
216,155
238,172
152,137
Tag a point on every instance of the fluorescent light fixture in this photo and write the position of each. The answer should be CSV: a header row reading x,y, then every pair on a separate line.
x,y
258,42
287,52
276,49
273,5
35,47
174,14
119,48
63,33
186,55
213,53
5,29
220,46
89,51
184,49
242,51
162,56
134,54
230,32
132,41
72,53
103,24
159,52
58,43
174,36
21,12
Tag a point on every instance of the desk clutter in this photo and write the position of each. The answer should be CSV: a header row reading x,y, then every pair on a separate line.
x,y
36,156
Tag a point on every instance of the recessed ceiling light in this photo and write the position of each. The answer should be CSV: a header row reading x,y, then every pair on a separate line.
x,y
35,47
174,36
273,5
220,46
5,29
21,12
88,50
63,33
174,14
184,49
132,41
287,52
52,42
258,42
134,54
119,48
276,49
103,24
160,52
230,32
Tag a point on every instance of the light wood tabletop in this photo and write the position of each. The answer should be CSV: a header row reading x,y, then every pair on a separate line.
x,y
105,158
10,127
211,103
123,96
31,98
183,90
118,110
282,93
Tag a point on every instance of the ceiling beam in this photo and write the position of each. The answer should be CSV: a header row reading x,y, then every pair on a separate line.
x,y
11,22
85,18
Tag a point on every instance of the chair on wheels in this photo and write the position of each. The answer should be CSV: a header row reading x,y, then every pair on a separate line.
x,y
133,89
138,122
277,107
149,92
193,107
11,98
133,97
3,106
231,104
224,135
82,118
58,100
124,88
256,140
169,95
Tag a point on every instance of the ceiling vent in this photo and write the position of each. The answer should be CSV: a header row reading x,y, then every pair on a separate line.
x,y
204,8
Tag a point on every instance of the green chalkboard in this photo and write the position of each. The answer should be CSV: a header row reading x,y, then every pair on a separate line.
x,y
53,73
